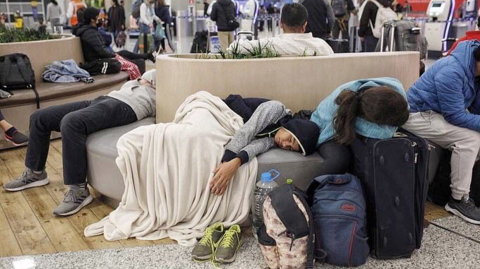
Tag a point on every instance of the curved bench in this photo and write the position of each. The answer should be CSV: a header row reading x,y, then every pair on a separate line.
x,y
18,108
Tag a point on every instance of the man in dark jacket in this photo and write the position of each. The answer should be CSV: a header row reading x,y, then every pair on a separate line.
x,y
367,21
320,18
223,11
342,16
93,44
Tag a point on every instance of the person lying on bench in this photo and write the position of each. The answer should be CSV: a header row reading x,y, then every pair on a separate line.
x,y
371,108
294,41
445,108
11,133
267,124
134,101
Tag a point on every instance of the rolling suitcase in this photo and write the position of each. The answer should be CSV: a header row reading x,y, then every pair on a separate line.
x,y
394,175
402,36
339,45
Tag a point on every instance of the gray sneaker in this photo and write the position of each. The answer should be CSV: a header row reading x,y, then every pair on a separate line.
x,y
205,248
465,209
229,245
75,199
27,180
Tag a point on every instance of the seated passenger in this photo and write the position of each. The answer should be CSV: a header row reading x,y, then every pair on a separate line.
x,y
93,43
134,101
371,108
294,41
445,108
170,190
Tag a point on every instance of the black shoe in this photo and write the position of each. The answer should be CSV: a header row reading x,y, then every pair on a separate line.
x,y
465,209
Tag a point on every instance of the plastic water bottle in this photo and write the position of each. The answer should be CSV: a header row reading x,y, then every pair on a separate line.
x,y
262,188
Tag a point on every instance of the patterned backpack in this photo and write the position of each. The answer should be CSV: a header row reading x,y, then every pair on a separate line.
x,y
287,237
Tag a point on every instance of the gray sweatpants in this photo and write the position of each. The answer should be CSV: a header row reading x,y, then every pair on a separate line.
x,y
464,144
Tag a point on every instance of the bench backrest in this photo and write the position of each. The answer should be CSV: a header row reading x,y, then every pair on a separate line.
x,y
299,83
43,53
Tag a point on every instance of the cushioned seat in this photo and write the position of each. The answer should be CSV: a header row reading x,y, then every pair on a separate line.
x,y
105,177
48,91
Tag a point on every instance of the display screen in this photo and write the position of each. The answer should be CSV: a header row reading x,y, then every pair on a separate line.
x,y
437,4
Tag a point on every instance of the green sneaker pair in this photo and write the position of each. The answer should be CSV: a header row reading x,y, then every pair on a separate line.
x,y
218,245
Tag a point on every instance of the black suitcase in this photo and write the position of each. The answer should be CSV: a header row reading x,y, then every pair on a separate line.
x,y
339,45
394,174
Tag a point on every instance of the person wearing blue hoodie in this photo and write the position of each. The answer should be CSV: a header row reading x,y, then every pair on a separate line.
x,y
371,108
445,108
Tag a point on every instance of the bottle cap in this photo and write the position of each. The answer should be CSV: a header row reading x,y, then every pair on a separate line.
x,y
266,177
289,181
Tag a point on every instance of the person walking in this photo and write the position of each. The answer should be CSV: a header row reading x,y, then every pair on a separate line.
x,y
116,19
54,13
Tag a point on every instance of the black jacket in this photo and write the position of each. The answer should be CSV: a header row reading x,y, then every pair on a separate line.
x,y
318,23
93,44
370,14
222,12
116,18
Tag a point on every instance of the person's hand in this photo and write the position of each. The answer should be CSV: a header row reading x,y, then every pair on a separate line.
x,y
123,27
362,39
223,175
329,35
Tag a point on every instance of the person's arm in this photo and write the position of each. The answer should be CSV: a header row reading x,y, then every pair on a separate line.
x,y
330,16
70,10
97,42
350,5
267,113
451,99
49,6
243,46
365,20
214,14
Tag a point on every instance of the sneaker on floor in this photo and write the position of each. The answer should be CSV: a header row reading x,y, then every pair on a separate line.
x,y
229,245
465,209
17,139
74,200
27,180
205,248
152,56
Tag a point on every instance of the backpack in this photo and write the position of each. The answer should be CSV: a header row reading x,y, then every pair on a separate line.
x,y
16,72
339,9
287,236
339,211
384,14
136,9
102,66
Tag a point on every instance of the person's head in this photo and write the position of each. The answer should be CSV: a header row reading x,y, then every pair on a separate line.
x,y
115,3
380,105
161,3
90,16
54,2
298,135
151,77
294,18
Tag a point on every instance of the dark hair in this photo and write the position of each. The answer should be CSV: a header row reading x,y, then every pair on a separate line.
x,y
88,15
476,54
116,3
294,15
380,105
54,2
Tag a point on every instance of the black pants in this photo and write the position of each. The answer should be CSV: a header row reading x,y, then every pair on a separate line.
x,y
341,25
337,158
132,55
75,121
1,116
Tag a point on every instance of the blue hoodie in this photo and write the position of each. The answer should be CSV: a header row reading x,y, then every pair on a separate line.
x,y
449,88
326,111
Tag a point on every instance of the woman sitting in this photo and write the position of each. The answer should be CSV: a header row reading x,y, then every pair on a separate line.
x,y
371,108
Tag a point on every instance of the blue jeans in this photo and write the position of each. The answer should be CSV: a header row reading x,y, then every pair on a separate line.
x,y
370,43
144,29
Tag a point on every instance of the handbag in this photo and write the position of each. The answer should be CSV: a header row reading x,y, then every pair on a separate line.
x,y
232,23
159,32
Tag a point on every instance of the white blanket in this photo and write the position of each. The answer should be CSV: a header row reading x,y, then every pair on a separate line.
x,y
167,168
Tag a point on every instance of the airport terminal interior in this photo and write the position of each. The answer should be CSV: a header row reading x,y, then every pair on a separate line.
x,y
239,134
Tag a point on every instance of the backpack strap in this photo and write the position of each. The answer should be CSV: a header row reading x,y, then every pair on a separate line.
x,y
37,97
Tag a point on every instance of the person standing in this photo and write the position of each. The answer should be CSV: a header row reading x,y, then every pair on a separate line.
x,y
320,18
367,23
162,11
73,7
145,24
342,10
54,13
116,19
223,12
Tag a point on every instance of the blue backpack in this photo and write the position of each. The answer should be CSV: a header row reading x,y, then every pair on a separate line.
x,y
339,212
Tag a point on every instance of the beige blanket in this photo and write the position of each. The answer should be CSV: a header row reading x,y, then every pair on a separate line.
x,y
167,167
